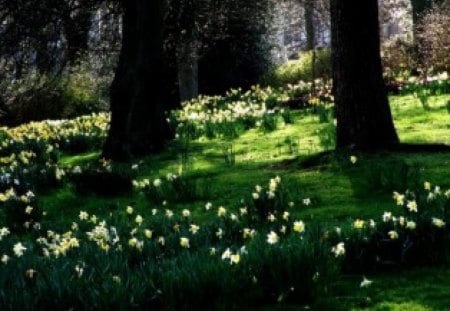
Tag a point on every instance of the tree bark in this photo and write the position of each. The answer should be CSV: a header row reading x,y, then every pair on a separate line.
x,y
138,122
364,119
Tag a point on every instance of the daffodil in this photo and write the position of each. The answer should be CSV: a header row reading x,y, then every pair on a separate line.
x,y
359,224
148,233
184,242
4,259
19,249
412,206
129,210
437,222
221,211
30,273
365,282
83,215
194,229
393,235
272,238
299,226
157,183
338,250
411,225
387,216
139,219
235,258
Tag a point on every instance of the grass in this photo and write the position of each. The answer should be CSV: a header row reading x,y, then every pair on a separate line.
x,y
339,190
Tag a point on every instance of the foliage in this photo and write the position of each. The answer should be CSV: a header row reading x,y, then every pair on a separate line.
x,y
434,39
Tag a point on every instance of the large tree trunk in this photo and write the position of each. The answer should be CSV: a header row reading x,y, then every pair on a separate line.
x,y
138,123
364,119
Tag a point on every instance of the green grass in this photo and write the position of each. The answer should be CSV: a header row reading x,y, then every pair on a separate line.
x,y
339,190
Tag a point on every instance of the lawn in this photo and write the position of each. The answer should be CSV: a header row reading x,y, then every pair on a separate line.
x,y
225,171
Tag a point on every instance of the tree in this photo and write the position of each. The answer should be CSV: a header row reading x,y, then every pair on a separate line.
x,y
138,123
364,119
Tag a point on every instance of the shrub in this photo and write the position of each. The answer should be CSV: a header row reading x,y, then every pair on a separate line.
x,y
398,59
302,69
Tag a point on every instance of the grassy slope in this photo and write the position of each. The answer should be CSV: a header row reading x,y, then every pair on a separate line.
x,y
339,191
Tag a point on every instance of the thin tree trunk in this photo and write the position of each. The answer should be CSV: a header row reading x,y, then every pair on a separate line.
x,y
309,25
364,119
138,123
188,70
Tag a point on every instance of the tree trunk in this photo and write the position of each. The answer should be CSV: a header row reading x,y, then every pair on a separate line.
x,y
138,124
364,119
187,74
309,25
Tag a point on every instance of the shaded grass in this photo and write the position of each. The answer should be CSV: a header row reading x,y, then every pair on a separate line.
x,y
339,190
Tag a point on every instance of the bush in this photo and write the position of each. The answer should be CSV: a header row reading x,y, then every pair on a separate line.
x,y
74,92
398,59
302,70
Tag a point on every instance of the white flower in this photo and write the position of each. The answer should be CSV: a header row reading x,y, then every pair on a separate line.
x,y
438,222
169,213
5,259
148,233
19,249
365,282
427,185
184,242
208,206
411,225
226,254
339,249
393,235
219,233
387,216
28,210
270,194
194,229
221,211
139,219
353,159
299,226
306,201
4,232
83,215
157,183
412,206
272,238
186,213
255,196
